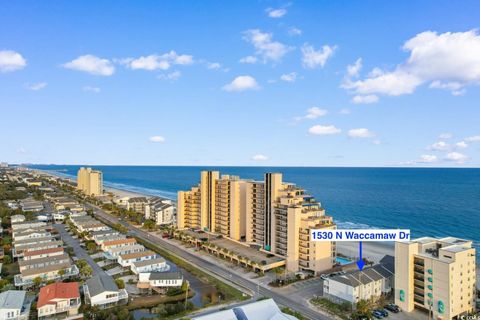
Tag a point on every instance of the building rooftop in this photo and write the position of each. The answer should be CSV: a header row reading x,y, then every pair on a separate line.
x,y
100,283
34,271
59,290
135,255
144,263
12,299
42,251
119,241
165,275
260,310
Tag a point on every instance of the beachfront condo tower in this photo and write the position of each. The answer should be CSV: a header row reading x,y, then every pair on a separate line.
x,y
271,214
90,182
436,276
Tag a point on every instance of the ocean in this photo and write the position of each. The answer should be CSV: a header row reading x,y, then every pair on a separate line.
x,y
429,201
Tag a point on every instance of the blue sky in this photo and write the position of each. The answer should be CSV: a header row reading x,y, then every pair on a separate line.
x,y
310,83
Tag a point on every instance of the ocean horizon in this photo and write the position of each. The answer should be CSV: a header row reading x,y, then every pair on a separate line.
x,y
434,202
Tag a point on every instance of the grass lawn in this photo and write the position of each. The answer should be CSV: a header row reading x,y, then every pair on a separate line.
x,y
155,300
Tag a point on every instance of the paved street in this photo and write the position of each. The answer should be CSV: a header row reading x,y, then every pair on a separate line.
x,y
218,269
80,253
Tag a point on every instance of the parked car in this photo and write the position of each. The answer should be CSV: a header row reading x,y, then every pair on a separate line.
x,y
383,312
324,276
392,307
377,314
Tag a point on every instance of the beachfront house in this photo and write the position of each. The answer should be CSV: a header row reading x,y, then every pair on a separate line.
x,y
159,279
153,265
102,291
126,260
367,284
14,305
61,300
118,243
160,210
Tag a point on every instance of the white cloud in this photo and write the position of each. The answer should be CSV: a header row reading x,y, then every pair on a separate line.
x,y
324,130
345,111
91,89
259,157
172,76
213,65
448,61
461,145
158,139
36,86
427,158
265,47
456,88
445,135
289,77
368,99
276,13
22,150
456,156
91,64
360,133
316,58
439,146
158,62
293,31
11,61
473,139
242,83
312,113
354,69
249,59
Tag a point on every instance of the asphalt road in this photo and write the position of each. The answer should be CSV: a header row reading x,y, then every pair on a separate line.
x,y
78,250
216,269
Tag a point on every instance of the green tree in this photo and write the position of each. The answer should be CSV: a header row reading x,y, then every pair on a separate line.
x,y
7,259
120,283
37,281
91,246
149,224
363,307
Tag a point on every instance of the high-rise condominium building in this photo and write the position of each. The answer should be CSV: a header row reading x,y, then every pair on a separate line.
x,y
90,181
435,275
275,215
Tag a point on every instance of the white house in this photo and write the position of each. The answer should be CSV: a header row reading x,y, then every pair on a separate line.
x,y
126,260
160,279
60,215
30,234
102,291
17,218
259,310
114,253
14,305
370,283
153,265
160,210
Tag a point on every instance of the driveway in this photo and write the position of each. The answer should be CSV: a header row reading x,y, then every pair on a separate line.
x,y
78,250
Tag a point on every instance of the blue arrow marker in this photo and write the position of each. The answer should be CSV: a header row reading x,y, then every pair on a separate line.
x,y
360,262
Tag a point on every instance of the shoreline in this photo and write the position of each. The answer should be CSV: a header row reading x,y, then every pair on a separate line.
x,y
373,251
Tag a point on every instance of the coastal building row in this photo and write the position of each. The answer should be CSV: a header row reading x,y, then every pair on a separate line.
x,y
151,269
90,181
39,252
160,210
274,215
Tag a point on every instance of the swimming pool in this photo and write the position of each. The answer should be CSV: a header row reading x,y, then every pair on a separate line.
x,y
343,261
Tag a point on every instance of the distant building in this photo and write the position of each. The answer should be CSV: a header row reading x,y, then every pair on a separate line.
x,y
3,165
90,182
153,265
137,204
17,218
102,291
126,260
160,210
271,214
59,300
159,279
368,284
437,275
259,310
31,205
14,305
